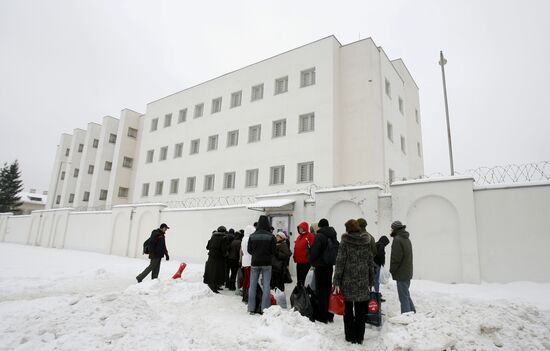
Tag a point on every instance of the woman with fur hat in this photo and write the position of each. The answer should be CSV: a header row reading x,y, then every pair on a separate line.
x,y
352,276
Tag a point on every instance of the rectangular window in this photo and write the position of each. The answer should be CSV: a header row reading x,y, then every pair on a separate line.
x,y
91,169
236,98
307,77
158,188
216,105
401,108
163,153
387,87
419,149
154,124
127,162
132,132
190,186
229,180
209,182
167,120
277,175
389,129
67,152
103,194
122,192
213,142
251,178
307,123
416,116
305,172
281,85
403,145
182,117
391,175
71,198
145,190
174,185
108,165
58,199
199,109
254,133
178,150
150,155
80,147
95,144
75,174
63,175
112,138
233,138
86,196
257,92
279,128
195,145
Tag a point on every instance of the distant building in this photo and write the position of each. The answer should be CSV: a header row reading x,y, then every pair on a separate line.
x,y
32,201
324,114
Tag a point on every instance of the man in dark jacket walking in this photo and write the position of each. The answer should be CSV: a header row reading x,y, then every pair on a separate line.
x,y
157,249
401,265
323,260
261,246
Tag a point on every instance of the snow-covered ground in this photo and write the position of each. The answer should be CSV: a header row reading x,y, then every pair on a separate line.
x,y
53,299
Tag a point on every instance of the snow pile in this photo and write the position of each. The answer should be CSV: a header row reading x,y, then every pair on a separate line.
x,y
66,300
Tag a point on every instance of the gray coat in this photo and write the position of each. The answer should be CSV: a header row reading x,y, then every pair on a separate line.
x,y
353,272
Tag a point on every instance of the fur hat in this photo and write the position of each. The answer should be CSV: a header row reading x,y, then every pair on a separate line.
x,y
352,226
362,223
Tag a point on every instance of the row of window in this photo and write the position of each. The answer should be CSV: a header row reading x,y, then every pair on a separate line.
x,y
400,102
132,133
389,130
127,162
276,177
306,124
307,78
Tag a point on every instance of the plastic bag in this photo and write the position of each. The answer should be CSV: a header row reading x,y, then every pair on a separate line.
x,y
310,280
280,297
385,276
299,300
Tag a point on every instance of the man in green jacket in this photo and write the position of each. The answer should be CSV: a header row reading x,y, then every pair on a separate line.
x,y
401,265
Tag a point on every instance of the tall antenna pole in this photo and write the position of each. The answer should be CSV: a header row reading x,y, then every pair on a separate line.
x,y
442,62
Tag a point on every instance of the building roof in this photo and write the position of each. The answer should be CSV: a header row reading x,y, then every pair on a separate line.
x,y
33,198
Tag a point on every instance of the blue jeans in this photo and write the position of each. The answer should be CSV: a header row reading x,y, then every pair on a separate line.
x,y
407,304
377,278
266,279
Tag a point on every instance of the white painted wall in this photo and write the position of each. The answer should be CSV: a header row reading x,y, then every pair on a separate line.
x,y
84,180
513,235
89,231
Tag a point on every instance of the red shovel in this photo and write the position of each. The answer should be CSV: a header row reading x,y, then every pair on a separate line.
x,y
180,270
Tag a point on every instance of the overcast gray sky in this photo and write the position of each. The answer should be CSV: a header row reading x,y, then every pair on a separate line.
x,y
66,63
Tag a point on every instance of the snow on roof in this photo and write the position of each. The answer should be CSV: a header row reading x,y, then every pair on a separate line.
x,y
33,198
271,203
432,180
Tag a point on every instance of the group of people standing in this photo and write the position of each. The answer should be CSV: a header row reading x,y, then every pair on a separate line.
x,y
351,266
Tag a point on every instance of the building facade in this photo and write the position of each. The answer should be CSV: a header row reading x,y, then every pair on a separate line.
x,y
324,114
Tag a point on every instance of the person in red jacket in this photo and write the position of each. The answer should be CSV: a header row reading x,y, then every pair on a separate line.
x,y
301,247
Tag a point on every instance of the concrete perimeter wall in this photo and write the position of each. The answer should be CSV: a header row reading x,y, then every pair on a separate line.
x,y
460,233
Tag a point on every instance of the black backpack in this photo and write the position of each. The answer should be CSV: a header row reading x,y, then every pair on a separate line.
x,y
146,248
329,256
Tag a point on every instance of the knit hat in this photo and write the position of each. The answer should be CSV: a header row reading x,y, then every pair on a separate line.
x,y
323,223
362,223
282,235
397,225
221,229
263,223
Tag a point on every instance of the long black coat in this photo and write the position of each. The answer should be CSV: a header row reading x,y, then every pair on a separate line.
x,y
214,270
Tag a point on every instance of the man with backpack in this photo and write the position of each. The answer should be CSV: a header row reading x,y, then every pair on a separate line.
x,y
155,246
322,256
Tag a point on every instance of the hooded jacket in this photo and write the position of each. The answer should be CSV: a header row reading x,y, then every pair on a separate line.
x,y
157,244
262,244
320,245
354,267
401,261
380,258
302,243
246,260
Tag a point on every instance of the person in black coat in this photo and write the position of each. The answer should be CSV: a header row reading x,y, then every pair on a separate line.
x,y
279,262
214,270
323,269
157,249
233,260
380,259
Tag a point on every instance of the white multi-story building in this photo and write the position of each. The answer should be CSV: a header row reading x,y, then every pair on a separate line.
x,y
324,113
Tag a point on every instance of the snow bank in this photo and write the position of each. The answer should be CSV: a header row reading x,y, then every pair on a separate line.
x,y
54,299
